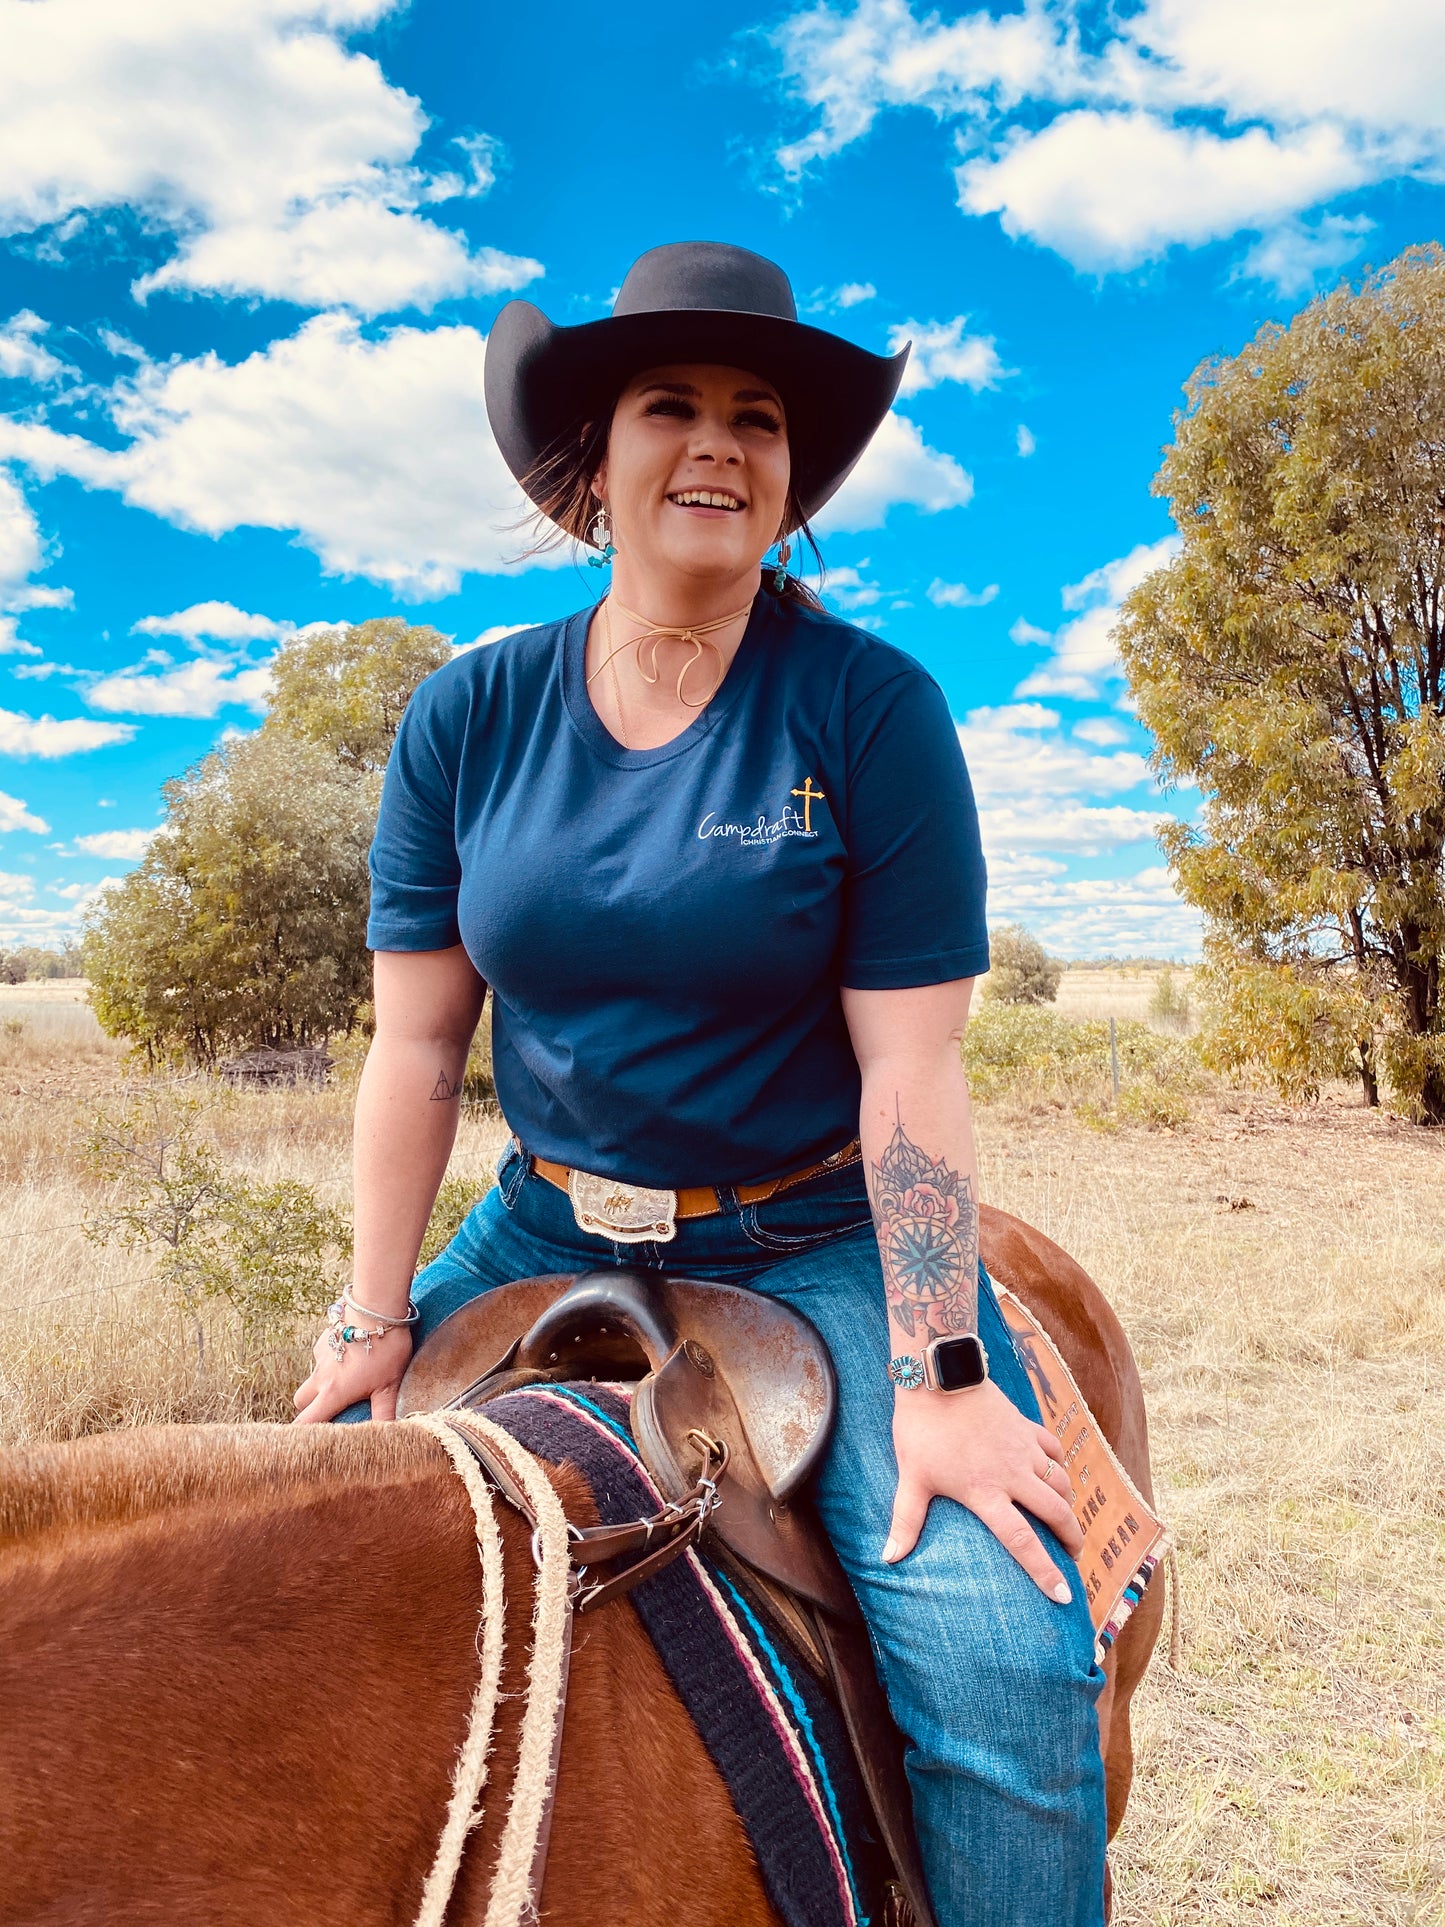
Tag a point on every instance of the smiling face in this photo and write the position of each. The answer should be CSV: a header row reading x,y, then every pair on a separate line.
x,y
696,472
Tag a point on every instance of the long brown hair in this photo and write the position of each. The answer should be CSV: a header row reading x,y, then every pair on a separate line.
x,y
560,481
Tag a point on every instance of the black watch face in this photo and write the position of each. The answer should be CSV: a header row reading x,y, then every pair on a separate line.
x,y
959,1363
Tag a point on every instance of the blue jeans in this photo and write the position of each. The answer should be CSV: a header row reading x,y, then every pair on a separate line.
x,y
993,1685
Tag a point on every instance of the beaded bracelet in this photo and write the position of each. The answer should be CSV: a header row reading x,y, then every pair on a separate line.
x,y
339,1334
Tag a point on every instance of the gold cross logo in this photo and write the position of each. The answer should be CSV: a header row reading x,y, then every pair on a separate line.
x,y
810,796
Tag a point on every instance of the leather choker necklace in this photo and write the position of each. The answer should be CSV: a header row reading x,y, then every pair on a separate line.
x,y
697,633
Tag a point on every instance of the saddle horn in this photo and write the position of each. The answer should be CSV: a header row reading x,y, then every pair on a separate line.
x,y
599,1325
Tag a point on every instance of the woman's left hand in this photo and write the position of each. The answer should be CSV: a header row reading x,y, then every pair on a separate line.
x,y
978,1448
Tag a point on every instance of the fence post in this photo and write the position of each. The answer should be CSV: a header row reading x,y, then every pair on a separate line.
x,y
1114,1057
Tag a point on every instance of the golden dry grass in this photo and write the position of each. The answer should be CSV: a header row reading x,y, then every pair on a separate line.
x,y
1121,991
92,1339
1282,1277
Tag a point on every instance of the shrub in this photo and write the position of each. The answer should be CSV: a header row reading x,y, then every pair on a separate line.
x,y
1170,1004
271,1251
1042,1057
1020,970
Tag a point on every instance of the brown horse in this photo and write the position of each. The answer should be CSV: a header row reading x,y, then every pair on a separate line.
x,y
236,1665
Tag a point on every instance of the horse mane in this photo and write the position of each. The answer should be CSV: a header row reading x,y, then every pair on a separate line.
x,y
117,1478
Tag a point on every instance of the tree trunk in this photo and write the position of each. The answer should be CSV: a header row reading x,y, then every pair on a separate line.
x,y
1420,984
1368,1078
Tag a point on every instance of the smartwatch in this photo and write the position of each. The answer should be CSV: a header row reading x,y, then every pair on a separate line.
x,y
947,1365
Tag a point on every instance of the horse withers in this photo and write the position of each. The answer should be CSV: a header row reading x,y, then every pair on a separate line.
x,y
237,1663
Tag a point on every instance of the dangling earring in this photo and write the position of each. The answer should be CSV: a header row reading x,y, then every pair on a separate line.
x,y
780,572
600,536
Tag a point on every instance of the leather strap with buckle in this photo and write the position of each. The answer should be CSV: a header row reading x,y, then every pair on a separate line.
x,y
695,1200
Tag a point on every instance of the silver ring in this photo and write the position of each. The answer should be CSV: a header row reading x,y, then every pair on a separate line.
x,y
1048,1472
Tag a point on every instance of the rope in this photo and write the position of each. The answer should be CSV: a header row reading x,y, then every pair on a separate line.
x,y
1176,1631
512,1899
470,1773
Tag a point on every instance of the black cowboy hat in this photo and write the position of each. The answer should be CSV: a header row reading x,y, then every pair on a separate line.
x,y
699,301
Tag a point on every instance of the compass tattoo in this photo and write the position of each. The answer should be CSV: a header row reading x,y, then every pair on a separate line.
x,y
927,1224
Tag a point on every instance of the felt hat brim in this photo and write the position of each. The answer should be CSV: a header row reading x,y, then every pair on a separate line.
x,y
542,381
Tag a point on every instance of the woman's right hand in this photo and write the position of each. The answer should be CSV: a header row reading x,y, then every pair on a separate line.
x,y
373,1372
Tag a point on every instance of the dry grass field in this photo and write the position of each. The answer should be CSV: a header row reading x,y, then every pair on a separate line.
x,y
1282,1276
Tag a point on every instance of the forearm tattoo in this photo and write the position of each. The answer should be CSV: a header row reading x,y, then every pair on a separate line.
x,y
927,1224
444,1090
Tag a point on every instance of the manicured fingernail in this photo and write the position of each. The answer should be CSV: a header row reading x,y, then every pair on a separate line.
x,y
890,1552
1062,1594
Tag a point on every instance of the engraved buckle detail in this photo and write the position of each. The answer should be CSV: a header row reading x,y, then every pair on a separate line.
x,y
630,1213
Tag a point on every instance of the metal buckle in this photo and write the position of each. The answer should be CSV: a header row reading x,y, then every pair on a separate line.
x,y
629,1213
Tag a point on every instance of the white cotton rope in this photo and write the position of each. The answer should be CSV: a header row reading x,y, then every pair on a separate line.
x,y
470,1773
512,1900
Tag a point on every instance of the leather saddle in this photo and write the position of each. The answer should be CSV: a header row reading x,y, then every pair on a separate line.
x,y
717,1362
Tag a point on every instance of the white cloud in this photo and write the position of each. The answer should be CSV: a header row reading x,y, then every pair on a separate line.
x,y
219,621
23,552
82,895
1102,731
377,453
1017,753
851,295
22,356
850,589
497,632
897,467
958,595
282,161
1047,801
1078,829
849,66
1110,190
1292,60
1026,632
15,816
48,737
1129,916
1084,657
121,846
12,643
194,689
1024,441
943,352
1293,257
1113,138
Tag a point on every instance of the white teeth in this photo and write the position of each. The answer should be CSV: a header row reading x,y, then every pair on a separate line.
x,y
705,498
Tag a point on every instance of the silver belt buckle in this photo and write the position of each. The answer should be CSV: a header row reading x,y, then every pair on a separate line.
x,y
629,1213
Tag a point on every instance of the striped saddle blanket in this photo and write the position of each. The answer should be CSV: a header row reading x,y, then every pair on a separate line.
x,y
771,1729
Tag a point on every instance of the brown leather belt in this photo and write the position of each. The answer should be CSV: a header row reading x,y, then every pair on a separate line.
x,y
706,1200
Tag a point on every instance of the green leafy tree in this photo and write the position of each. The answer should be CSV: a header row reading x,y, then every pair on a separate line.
x,y
1291,661
244,926
1020,970
346,688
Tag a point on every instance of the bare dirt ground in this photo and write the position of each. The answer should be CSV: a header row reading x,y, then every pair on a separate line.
x,y
1281,1274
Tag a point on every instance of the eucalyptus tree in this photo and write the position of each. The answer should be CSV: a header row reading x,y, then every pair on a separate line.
x,y
1290,660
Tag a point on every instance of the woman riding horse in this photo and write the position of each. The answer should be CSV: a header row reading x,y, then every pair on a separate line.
x,y
716,853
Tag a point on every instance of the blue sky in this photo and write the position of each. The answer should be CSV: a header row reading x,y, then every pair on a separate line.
x,y
251,252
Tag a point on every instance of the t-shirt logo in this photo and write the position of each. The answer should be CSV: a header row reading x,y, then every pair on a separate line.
x,y
790,821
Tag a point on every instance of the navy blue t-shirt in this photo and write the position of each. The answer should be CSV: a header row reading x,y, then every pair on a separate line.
x,y
665,931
